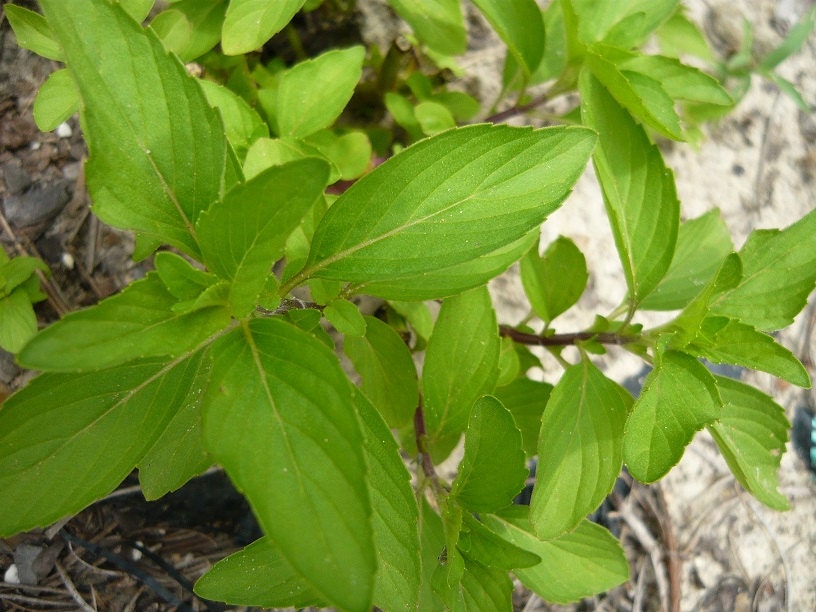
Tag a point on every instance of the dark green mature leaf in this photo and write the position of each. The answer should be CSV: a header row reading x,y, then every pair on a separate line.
x,y
243,235
465,334
492,471
279,416
384,362
56,100
679,397
447,200
455,279
779,269
33,32
178,454
579,564
526,400
554,281
639,192
437,23
250,23
579,449
623,23
158,151
312,94
702,244
520,26
68,439
139,322
723,340
394,516
258,575
751,435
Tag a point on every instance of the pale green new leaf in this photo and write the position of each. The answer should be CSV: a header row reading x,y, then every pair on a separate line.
x,y
702,244
250,23
389,378
526,400
447,200
492,471
349,153
555,280
139,322
680,81
639,191
158,151
312,94
520,26
242,235
138,9
433,118
18,323
190,28
279,416
242,123
723,340
258,575
579,449
779,269
181,279
394,515
579,564
751,435
56,100
622,23
466,335
679,35
437,23
346,317
69,439
679,397
33,32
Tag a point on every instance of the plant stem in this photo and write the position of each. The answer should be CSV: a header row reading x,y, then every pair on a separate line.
x,y
562,339
421,434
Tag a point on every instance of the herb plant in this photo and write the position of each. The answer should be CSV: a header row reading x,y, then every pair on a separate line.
x,y
221,354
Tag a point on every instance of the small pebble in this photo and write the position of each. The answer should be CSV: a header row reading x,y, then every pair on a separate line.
x,y
64,130
11,576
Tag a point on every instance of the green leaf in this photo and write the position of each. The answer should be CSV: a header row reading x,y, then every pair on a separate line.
x,y
702,244
312,94
433,118
432,554
579,564
235,579
244,234
56,100
69,439
158,152
520,26
178,454
265,153
623,23
751,435
350,153
138,9
678,398
446,201
190,28
301,462
16,271
722,340
18,323
242,123
389,378
394,513
250,23
465,334
779,272
526,400
437,23
492,471
139,322
638,188
484,589
554,281
180,278
679,35
33,32
579,449
509,363
797,37
477,542
454,279
346,317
